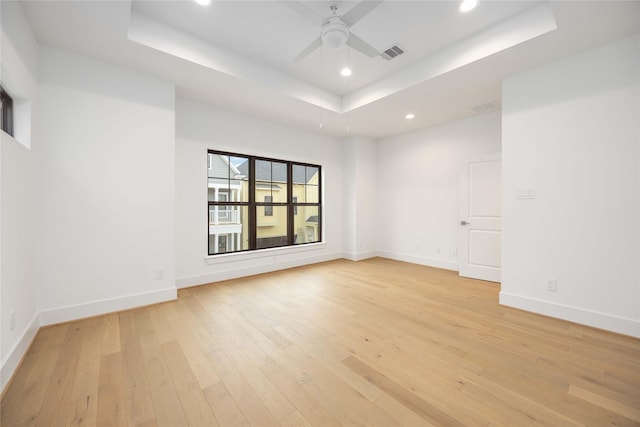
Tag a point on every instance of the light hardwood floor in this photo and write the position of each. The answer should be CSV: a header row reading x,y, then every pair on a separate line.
x,y
373,343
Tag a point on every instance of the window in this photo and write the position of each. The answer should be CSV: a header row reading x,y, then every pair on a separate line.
x,y
6,112
268,209
257,203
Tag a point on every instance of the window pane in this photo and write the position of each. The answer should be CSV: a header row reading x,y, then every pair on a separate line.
x,y
271,179
312,175
225,175
312,194
299,172
239,179
271,230
279,172
228,229
268,210
219,167
305,225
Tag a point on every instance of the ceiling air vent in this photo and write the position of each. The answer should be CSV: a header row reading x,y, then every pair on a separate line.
x,y
392,52
486,107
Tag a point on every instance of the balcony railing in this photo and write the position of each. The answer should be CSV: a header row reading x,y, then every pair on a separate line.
x,y
224,216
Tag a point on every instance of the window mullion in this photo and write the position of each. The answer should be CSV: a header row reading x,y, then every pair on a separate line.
x,y
252,204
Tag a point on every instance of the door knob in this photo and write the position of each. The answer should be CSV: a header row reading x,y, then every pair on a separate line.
x,y
463,222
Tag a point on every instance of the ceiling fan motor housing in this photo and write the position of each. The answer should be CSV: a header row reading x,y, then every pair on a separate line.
x,y
335,33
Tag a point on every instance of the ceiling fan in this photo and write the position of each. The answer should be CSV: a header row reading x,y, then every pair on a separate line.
x,y
334,30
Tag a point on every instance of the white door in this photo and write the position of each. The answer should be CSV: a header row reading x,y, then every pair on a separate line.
x,y
480,226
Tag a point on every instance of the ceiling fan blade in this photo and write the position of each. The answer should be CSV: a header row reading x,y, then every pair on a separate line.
x,y
313,46
362,46
359,11
303,10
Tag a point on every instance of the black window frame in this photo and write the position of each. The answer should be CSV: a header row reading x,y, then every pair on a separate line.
x,y
253,205
6,117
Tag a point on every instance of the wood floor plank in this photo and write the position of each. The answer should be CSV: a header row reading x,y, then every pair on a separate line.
x,y
254,410
342,400
195,406
310,408
83,412
401,413
186,335
604,402
137,394
167,406
408,399
270,395
111,333
111,408
341,343
88,370
295,420
28,389
59,391
224,407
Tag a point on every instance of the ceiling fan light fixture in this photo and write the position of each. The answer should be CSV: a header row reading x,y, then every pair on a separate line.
x,y
335,33
468,5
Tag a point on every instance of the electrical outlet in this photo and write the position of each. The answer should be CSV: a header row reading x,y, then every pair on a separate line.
x,y
551,284
454,252
439,251
526,193
13,320
159,274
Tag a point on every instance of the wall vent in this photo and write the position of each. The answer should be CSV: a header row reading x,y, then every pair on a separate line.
x,y
485,107
392,52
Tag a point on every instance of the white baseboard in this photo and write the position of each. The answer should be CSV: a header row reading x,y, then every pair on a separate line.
x,y
596,319
267,265
95,308
359,256
15,355
429,262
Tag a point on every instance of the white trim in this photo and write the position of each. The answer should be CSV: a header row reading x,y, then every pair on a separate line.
x,y
359,256
271,263
429,262
109,305
15,355
609,322
263,253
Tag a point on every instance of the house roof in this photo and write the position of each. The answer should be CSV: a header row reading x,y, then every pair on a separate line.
x,y
277,172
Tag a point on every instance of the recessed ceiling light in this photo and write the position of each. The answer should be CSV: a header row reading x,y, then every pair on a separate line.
x,y
203,2
345,72
410,116
467,5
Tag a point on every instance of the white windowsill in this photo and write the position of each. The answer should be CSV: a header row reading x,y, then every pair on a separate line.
x,y
263,253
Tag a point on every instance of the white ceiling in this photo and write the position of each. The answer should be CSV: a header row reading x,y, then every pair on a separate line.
x,y
239,55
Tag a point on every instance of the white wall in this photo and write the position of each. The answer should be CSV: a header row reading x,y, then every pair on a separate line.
x,y
359,198
200,127
417,180
105,170
571,131
17,215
